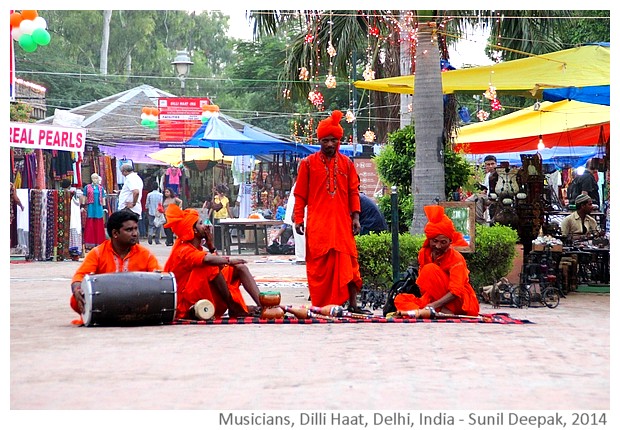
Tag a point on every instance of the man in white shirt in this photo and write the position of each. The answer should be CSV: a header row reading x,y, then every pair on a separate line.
x,y
153,199
131,194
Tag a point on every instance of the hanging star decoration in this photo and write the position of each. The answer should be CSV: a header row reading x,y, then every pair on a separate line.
x,y
373,31
349,116
369,136
309,38
316,98
331,50
490,93
304,74
368,74
496,105
482,115
330,82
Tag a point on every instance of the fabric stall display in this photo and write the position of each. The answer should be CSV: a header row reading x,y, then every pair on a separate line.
x,y
42,223
63,211
51,227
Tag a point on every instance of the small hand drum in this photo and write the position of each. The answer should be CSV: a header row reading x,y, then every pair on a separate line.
x,y
204,309
269,299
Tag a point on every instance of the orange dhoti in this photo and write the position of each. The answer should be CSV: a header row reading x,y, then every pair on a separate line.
x,y
434,284
329,276
198,286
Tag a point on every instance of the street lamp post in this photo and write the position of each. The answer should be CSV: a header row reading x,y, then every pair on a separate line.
x,y
182,64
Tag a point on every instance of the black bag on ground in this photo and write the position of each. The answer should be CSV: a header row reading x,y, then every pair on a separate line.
x,y
404,285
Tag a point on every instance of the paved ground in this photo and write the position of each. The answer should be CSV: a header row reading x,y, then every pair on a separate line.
x,y
560,362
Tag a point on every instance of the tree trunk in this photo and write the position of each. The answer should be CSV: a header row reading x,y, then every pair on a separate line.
x,y
105,40
428,185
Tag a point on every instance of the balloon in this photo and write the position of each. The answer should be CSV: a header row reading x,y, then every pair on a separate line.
x,y
29,14
39,22
145,111
26,26
27,44
16,33
145,122
153,124
40,36
154,112
16,19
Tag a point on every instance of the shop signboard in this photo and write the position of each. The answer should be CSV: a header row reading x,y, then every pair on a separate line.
x,y
180,117
38,136
370,184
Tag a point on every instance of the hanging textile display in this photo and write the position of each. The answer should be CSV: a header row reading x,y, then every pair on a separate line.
x,y
38,208
51,225
62,224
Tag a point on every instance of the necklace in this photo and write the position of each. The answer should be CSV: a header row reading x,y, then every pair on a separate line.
x,y
331,178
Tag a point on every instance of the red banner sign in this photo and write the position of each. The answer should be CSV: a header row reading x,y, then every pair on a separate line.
x,y
179,117
36,136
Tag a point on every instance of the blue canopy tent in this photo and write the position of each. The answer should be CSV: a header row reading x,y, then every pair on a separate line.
x,y
232,142
598,94
559,156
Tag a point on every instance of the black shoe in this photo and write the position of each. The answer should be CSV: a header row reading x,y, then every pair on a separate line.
x,y
150,240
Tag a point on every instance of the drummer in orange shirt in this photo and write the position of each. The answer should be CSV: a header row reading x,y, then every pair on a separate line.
x,y
120,253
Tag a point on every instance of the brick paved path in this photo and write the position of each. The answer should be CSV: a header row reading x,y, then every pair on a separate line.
x,y
560,362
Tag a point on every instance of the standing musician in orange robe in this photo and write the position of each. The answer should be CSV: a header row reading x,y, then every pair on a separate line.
x,y
328,185
202,274
443,276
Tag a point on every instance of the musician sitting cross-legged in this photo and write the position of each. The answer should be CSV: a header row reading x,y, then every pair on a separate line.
x,y
202,274
120,253
443,276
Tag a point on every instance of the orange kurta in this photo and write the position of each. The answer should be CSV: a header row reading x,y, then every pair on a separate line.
x,y
330,190
435,279
103,259
193,279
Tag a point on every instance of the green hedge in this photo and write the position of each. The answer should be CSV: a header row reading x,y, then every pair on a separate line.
x,y
495,251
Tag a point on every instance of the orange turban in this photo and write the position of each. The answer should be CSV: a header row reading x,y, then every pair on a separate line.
x,y
330,126
439,223
181,222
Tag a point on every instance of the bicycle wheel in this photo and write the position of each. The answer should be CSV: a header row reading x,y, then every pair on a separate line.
x,y
520,296
551,297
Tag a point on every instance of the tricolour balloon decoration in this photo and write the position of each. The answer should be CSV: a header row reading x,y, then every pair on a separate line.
x,y
149,116
209,111
29,30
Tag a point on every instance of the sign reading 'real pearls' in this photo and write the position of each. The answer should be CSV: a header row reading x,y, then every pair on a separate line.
x,y
37,136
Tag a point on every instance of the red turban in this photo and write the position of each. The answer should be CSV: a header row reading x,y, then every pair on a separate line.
x,y
181,222
330,126
439,223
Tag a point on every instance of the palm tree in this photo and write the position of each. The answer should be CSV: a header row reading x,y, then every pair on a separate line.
x,y
529,31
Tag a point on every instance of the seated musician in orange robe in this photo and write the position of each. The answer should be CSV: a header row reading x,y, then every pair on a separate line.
x,y
202,274
443,276
120,253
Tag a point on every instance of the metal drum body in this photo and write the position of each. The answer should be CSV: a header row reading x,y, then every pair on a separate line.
x,y
129,298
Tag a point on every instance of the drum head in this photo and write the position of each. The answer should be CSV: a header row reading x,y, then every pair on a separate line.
x,y
87,289
204,309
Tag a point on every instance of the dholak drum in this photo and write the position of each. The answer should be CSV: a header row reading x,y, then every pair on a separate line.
x,y
129,298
